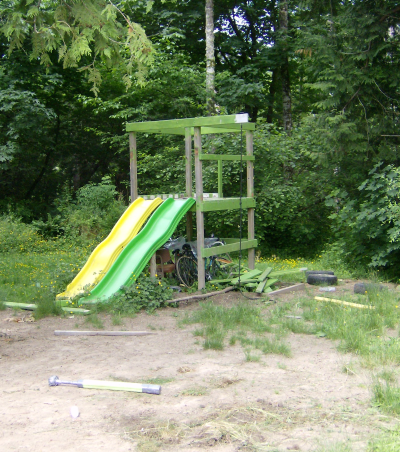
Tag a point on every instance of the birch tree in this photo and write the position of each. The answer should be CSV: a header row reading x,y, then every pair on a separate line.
x,y
210,58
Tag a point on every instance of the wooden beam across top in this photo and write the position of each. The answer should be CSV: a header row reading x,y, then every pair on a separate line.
x,y
208,124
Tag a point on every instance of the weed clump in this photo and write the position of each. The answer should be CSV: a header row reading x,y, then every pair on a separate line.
x,y
146,293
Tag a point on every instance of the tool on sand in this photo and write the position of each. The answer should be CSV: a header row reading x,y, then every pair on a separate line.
x,y
113,385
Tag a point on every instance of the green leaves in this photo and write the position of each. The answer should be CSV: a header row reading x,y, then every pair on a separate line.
x,y
89,32
368,226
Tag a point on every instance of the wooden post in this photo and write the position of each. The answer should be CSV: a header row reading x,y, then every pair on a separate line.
x,y
250,194
220,191
189,182
201,271
153,266
133,165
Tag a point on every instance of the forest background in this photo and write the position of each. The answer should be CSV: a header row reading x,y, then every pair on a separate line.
x,y
320,78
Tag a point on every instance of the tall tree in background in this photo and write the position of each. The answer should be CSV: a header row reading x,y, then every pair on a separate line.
x,y
284,67
210,58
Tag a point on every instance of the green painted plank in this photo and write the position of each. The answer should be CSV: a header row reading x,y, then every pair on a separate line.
x,y
221,281
215,204
32,307
216,250
270,282
264,274
284,272
208,121
267,290
219,157
76,311
27,306
251,285
228,128
246,276
232,128
251,280
261,286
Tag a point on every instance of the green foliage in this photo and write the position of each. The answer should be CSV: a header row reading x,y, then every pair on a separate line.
x,y
22,115
16,236
94,212
145,293
367,225
290,186
84,34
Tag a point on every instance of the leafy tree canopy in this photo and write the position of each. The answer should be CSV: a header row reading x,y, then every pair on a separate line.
x,y
83,33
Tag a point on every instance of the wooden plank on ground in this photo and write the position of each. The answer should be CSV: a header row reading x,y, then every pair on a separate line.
x,y
251,285
27,306
204,295
284,272
270,282
261,285
246,276
264,274
288,289
76,310
100,333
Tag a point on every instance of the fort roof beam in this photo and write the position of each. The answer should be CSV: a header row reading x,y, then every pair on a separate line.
x,y
211,124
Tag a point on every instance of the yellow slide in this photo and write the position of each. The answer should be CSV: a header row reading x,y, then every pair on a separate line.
x,y
105,254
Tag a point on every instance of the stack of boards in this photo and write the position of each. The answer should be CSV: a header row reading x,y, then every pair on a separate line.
x,y
257,280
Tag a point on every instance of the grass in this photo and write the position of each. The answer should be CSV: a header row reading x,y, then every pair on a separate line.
x,y
25,277
387,442
243,323
387,397
94,320
195,392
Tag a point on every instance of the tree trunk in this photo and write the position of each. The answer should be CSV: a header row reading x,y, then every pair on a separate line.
x,y
271,97
286,96
210,58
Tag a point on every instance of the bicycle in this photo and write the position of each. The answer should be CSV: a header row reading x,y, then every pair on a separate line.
x,y
186,264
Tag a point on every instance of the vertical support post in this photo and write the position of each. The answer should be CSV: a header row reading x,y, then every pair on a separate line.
x,y
153,266
250,194
133,165
189,182
201,271
220,192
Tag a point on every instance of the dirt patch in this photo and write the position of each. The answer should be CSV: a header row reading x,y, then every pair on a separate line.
x,y
209,399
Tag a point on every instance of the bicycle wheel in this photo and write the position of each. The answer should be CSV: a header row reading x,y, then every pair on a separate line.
x,y
186,270
221,266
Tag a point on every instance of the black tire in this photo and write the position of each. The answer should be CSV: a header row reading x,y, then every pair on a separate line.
x,y
319,272
186,270
321,278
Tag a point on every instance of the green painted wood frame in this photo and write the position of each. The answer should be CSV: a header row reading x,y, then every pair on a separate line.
x,y
230,248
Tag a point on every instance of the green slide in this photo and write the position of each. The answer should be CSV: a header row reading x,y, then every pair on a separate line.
x,y
139,250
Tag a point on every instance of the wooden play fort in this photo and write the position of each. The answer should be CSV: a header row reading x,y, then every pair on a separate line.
x,y
192,130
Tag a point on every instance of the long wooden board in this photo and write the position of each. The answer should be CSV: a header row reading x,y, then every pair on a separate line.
x,y
100,333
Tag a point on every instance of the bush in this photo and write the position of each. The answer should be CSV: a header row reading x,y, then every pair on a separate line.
x,y
145,293
94,212
16,236
368,226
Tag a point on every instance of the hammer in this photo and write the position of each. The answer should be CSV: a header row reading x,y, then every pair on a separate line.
x,y
114,385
